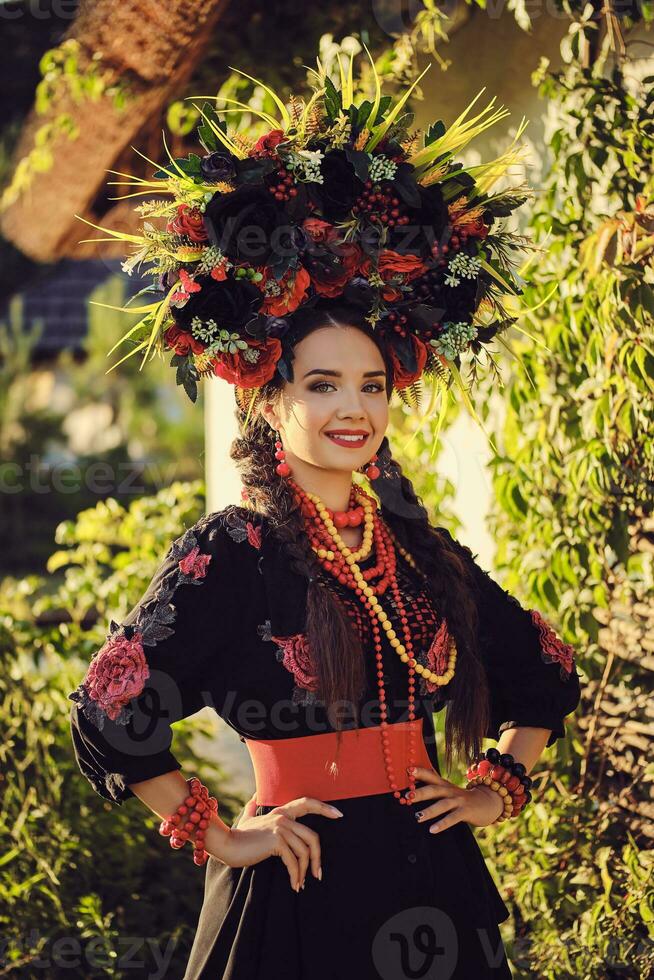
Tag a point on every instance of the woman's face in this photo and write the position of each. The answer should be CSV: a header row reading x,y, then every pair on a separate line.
x,y
339,383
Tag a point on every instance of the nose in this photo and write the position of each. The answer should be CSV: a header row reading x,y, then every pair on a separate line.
x,y
353,409
356,414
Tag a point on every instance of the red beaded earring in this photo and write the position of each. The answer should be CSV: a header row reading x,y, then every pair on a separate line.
x,y
282,468
372,471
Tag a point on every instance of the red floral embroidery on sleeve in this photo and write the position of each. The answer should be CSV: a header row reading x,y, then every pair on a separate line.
x,y
296,657
117,673
553,648
254,534
241,530
195,564
119,669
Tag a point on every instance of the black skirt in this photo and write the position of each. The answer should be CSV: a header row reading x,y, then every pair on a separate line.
x,y
394,902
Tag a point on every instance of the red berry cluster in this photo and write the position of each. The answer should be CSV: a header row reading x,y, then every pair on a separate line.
x,y
191,817
440,252
380,200
284,189
398,322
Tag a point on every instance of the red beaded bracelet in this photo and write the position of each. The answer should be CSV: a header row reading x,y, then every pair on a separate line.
x,y
504,776
191,817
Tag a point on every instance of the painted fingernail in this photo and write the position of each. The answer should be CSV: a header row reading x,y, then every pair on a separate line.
x,y
434,829
419,815
320,874
303,883
336,810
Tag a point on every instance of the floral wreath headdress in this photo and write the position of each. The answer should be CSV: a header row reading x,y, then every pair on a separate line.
x,y
333,200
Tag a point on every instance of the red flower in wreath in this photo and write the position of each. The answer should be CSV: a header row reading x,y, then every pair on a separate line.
x,y
188,286
117,673
188,222
238,371
475,228
181,341
293,288
392,265
401,377
332,282
265,145
318,230
219,272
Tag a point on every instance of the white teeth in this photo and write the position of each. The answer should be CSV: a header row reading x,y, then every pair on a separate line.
x,y
349,438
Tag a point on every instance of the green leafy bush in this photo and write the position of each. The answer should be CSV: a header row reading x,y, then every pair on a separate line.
x,y
87,888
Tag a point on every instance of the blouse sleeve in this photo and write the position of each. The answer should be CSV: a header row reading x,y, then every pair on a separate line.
x,y
161,664
532,676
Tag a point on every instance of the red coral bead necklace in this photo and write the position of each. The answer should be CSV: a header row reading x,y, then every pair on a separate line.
x,y
342,563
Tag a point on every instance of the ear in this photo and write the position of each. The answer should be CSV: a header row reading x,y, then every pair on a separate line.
x,y
269,414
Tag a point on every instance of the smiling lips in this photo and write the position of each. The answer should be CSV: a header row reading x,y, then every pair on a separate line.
x,y
351,439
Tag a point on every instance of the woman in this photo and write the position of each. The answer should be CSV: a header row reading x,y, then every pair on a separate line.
x,y
383,886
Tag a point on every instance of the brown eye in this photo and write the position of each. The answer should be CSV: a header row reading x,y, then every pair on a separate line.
x,y
374,384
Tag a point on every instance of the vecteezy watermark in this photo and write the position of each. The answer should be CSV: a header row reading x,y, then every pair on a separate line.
x,y
39,9
122,954
99,477
146,730
422,943
419,943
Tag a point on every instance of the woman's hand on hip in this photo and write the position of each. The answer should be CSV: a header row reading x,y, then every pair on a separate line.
x,y
279,833
479,806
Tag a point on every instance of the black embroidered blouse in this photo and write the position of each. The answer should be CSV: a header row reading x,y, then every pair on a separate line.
x,y
222,623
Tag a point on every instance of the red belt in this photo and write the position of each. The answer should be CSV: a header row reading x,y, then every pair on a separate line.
x,y
288,768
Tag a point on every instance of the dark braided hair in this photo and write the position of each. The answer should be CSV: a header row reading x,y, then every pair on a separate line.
x,y
335,644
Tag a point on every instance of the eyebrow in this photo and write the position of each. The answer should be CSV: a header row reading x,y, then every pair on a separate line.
x,y
337,374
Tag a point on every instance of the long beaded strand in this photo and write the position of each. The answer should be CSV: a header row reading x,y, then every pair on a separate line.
x,y
324,535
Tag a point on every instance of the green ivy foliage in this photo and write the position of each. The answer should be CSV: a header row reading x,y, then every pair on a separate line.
x,y
573,485
79,876
579,457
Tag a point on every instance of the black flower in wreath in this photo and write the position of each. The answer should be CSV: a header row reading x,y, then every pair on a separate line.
x,y
231,303
219,165
340,188
428,224
250,226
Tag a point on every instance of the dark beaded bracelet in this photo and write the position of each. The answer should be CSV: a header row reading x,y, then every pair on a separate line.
x,y
513,783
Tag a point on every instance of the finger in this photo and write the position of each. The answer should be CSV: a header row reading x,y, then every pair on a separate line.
x,y
301,851
286,853
312,840
436,809
309,804
426,775
452,816
251,806
432,791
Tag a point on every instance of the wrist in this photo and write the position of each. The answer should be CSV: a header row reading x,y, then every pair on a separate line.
x,y
218,839
493,795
